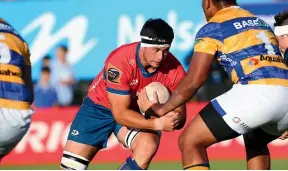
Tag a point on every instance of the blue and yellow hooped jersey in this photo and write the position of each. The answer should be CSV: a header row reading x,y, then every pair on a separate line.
x,y
14,56
245,46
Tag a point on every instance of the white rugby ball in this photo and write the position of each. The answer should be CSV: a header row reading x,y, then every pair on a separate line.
x,y
162,92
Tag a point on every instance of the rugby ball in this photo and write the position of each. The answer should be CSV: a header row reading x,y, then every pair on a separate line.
x,y
162,92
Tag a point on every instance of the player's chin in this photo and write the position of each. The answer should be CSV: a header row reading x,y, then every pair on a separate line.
x,y
155,64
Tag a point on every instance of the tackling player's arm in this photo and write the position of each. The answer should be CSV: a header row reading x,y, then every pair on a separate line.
x,y
177,76
27,73
28,81
203,58
189,85
182,116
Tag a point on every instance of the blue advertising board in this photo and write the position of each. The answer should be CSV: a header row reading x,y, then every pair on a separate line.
x,y
92,29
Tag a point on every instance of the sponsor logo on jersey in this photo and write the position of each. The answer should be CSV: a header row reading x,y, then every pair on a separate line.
x,y
224,58
278,59
114,74
10,73
253,61
250,23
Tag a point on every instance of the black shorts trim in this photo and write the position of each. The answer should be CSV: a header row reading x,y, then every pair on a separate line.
x,y
216,124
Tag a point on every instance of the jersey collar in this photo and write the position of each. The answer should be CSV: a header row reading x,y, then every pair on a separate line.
x,y
224,10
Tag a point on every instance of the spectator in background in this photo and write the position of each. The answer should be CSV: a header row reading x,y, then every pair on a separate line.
x,y
46,61
45,94
63,77
281,31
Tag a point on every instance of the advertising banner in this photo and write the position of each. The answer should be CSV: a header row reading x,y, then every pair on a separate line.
x,y
46,138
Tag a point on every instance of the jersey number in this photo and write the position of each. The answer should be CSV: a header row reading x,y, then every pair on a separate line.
x,y
265,39
5,56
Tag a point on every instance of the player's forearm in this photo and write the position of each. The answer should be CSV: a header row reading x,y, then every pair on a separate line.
x,y
182,111
183,93
132,119
28,82
179,97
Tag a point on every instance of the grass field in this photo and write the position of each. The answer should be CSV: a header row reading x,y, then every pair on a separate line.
x,y
217,165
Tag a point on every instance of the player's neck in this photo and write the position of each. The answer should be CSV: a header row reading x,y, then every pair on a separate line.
x,y
222,5
146,65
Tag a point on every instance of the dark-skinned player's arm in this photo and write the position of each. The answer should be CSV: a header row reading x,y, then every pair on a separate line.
x,y
28,81
27,73
208,41
182,116
198,71
144,103
178,75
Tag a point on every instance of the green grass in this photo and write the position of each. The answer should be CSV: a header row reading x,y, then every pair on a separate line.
x,y
217,165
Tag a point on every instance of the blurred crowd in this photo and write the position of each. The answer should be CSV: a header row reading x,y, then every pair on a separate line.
x,y
55,86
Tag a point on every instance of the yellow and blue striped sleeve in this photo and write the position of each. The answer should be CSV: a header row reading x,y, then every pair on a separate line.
x,y
208,39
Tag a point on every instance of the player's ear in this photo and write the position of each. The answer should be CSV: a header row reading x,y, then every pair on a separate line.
x,y
206,4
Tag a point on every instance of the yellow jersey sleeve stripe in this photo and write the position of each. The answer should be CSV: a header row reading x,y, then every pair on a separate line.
x,y
5,103
206,45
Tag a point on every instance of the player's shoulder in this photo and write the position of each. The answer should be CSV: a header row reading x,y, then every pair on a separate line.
x,y
11,38
2,20
172,58
210,30
172,64
215,27
5,27
123,57
124,52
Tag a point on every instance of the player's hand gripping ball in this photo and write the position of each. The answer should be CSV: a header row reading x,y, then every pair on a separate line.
x,y
154,92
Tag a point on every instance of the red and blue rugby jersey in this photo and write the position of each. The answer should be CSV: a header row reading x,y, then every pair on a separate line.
x,y
123,74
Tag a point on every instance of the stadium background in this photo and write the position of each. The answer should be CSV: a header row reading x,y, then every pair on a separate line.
x,y
91,29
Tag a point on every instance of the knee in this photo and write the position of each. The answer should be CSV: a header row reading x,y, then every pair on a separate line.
x,y
147,146
186,142
182,142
